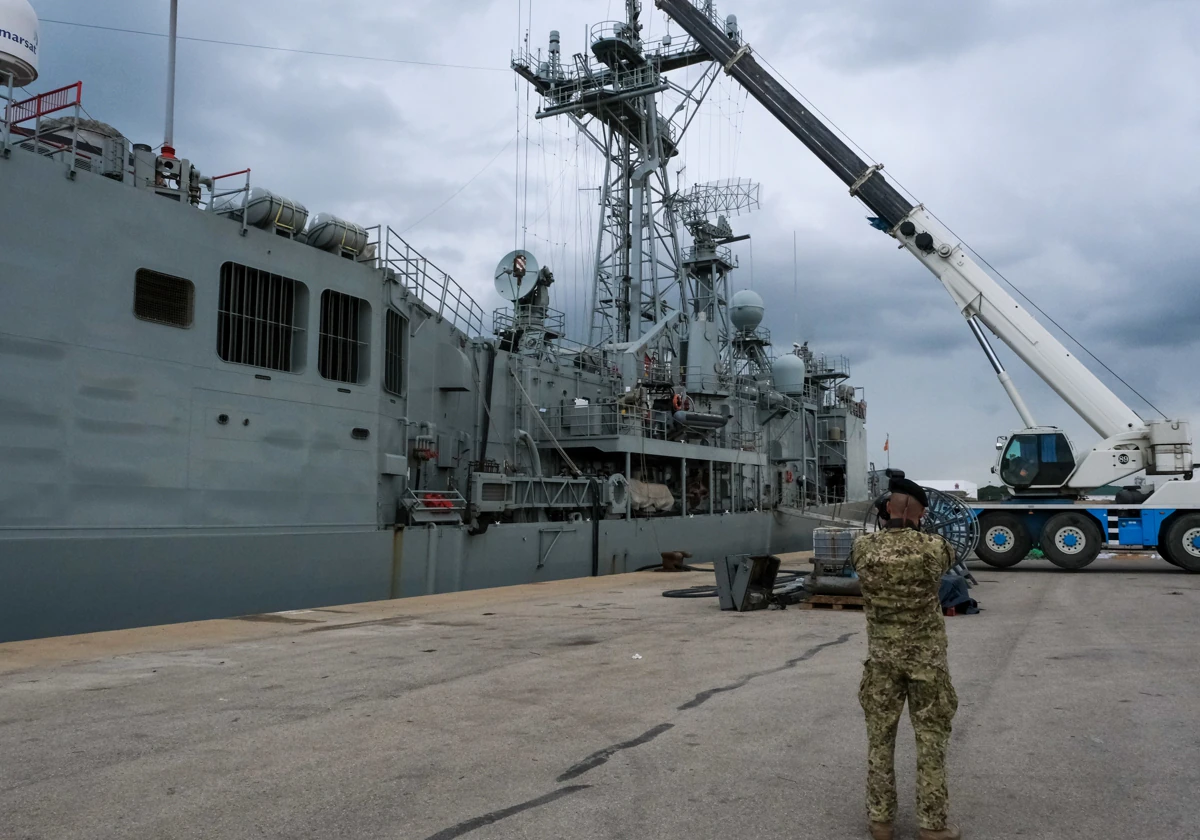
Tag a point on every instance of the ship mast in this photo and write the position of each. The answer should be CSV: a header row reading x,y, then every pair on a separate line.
x,y
169,132
612,94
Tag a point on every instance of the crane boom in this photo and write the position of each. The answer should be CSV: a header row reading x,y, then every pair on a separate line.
x,y
974,291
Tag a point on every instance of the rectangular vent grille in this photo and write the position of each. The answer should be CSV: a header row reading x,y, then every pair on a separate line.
x,y
343,344
493,492
163,299
393,353
257,321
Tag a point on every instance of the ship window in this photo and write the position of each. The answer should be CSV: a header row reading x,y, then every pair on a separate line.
x,y
345,322
393,353
260,318
163,299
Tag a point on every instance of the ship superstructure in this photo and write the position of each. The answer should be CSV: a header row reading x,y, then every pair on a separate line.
x,y
217,403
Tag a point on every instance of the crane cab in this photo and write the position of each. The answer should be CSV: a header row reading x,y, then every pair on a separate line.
x,y
1035,462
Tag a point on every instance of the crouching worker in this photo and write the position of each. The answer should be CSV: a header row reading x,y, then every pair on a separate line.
x,y
900,569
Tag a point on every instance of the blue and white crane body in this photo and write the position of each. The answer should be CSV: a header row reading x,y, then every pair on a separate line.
x,y
1049,478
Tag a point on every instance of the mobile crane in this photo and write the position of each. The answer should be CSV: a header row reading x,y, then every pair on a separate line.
x,y
1048,477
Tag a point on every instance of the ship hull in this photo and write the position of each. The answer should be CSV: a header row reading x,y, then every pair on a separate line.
x,y
60,584
156,468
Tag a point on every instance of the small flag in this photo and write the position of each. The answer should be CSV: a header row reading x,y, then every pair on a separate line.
x,y
887,443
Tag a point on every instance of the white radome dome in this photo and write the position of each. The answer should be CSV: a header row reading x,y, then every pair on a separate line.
x,y
746,310
788,372
18,42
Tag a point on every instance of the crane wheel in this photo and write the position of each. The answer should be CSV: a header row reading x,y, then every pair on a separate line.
x,y
1071,540
1182,544
1003,540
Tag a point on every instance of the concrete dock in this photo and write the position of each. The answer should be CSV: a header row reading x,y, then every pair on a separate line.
x,y
598,709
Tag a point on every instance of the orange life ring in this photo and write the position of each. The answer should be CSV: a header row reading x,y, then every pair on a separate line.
x,y
788,476
677,401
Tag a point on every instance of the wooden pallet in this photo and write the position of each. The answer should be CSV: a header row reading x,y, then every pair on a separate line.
x,y
832,602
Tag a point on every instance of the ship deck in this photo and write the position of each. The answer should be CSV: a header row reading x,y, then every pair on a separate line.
x,y
526,712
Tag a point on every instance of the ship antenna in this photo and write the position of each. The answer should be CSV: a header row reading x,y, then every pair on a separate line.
x,y
169,135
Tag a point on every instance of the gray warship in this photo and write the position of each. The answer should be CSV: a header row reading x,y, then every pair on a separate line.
x,y
214,403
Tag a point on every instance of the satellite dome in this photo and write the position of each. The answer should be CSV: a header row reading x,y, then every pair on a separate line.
x,y
18,42
788,372
746,310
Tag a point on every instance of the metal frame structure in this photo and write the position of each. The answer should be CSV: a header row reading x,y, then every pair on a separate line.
x,y
40,106
418,277
704,210
612,98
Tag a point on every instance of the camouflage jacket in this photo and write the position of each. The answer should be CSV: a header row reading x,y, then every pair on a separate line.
x,y
900,571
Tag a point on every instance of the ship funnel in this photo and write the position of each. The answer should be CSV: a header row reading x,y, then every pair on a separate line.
x,y
18,42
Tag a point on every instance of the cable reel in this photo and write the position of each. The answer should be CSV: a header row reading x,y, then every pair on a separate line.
x,y
947,516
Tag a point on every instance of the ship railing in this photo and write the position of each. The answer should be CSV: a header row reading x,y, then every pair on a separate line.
x,y
587,357
42,105
747,441
224,198
759,335
788,403
654,372
830,367
748,388
434,506
832,453
43,145
591,420
586,81
692,254
436,289
604,419
613,30
529,317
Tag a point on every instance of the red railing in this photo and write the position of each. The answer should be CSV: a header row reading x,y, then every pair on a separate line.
x,y
45,103
231,174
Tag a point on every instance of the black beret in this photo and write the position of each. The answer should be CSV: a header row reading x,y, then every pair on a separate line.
x,y
909,488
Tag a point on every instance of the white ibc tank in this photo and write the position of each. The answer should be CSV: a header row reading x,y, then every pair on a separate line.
x,y
746,310
18,42
329,233
788,372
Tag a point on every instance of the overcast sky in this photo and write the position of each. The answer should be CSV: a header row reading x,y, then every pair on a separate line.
x,y
1062,140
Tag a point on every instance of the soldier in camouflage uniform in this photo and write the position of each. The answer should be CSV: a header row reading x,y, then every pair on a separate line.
x,y
900,569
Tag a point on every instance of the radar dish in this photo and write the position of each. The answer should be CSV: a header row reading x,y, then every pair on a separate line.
x,y
516,275
948,517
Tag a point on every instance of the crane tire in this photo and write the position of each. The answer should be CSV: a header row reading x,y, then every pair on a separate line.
x,y
1003,540
1071,541
1182,544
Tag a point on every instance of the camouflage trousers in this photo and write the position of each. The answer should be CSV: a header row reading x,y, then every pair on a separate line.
x,y
931,705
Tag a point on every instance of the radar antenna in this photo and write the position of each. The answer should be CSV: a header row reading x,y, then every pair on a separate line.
x,y
709,262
